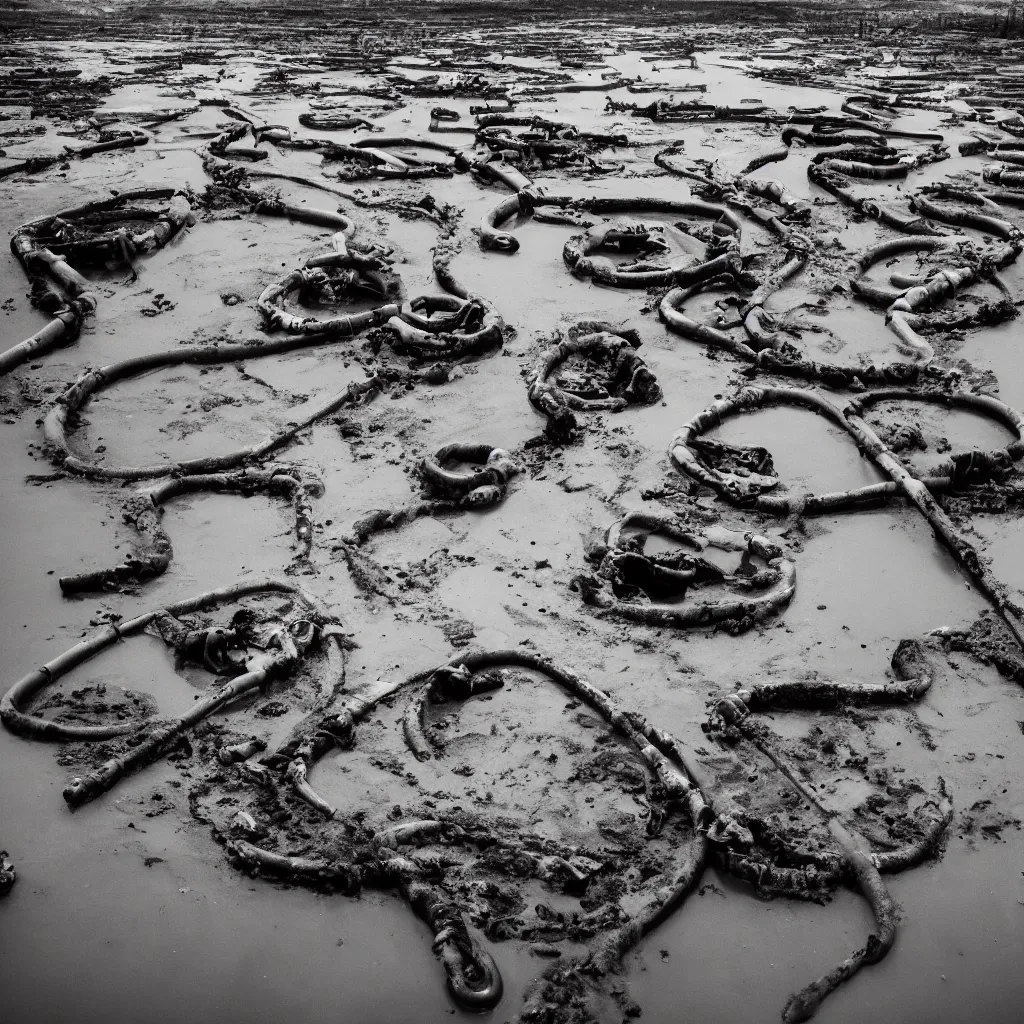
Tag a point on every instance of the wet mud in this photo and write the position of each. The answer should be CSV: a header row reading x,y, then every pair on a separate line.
x,y
506,520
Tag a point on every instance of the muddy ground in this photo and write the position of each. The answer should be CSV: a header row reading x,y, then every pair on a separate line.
x,y
137,903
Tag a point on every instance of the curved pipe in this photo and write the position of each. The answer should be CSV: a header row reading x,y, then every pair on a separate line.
x,y
24,724
55,425
498,467
749,491
478,997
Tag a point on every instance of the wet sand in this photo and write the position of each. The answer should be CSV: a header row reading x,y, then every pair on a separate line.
x,y
127,908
